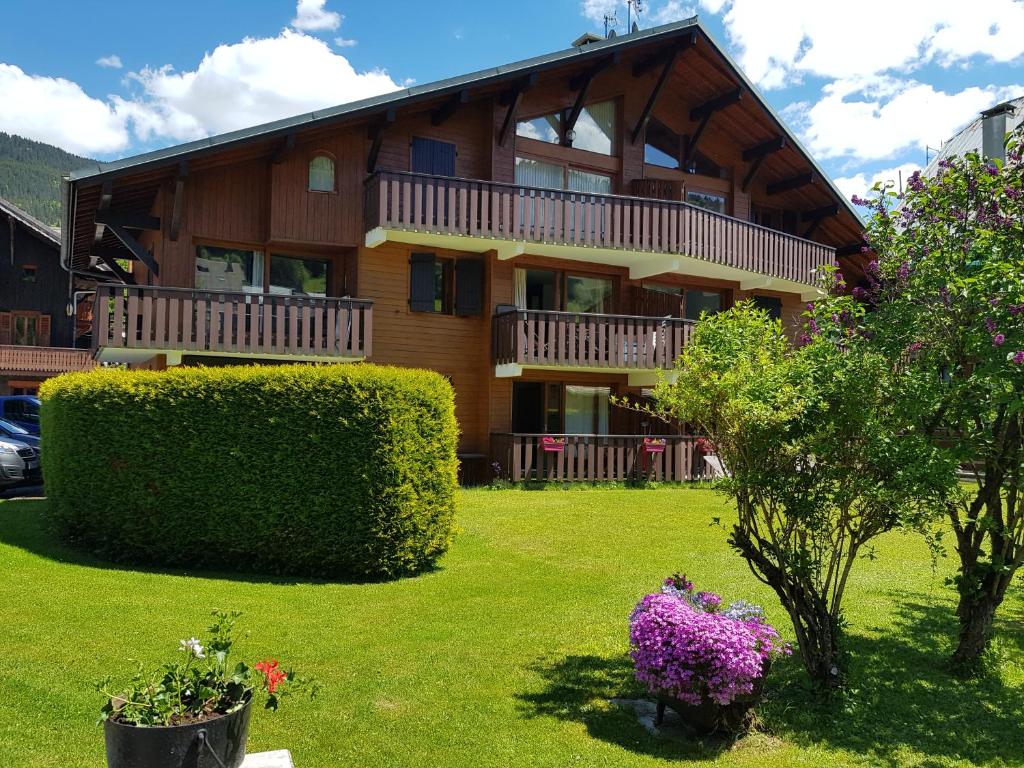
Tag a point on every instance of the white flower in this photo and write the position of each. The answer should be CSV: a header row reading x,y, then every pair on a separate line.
x,y
193,647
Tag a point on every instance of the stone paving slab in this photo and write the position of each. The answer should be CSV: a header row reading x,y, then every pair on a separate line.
x,y
280,758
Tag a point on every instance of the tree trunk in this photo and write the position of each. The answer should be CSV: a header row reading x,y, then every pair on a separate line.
x,y
976,612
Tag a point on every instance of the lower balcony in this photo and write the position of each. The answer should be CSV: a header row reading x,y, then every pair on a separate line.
x,y
135,323
16,360
596,458
629,344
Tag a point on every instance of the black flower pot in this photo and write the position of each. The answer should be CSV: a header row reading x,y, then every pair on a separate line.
x,y
710,717
215,743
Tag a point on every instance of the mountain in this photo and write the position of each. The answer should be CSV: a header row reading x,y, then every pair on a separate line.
x,y
30,174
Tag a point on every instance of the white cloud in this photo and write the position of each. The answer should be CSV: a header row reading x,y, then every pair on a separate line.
x,y
875,118
310,15
595,10
113,61
248,83
58,111
673,10
345,42
779,41
861,183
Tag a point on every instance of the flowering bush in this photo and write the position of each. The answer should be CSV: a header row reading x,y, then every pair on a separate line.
x,y
200,687
685,646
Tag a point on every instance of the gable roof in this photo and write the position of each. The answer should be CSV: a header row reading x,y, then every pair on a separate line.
x,y
970,136
35,226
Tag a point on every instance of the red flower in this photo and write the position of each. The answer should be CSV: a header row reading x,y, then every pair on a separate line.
x,y
272,674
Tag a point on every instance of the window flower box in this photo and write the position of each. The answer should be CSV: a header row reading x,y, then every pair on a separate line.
x,y
552,444
655,444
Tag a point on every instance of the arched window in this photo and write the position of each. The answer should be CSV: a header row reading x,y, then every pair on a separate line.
x,y
321,174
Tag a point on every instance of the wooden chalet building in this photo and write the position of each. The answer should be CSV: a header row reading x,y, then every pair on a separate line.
x,y
37,336
542,233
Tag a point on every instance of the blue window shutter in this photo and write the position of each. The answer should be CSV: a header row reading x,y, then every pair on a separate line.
x,y
433,157
421,282
469,286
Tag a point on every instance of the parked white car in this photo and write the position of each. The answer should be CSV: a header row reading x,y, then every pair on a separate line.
x,y
19,463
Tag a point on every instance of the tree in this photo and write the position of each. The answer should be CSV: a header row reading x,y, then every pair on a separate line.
x,y
806,435
946,300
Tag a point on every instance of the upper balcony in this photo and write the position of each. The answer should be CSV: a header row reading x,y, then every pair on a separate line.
x,y
135,323
16,359
650,237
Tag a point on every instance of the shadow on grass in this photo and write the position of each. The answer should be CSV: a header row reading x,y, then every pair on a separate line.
x,y
23,525
903,706
903,698
579,689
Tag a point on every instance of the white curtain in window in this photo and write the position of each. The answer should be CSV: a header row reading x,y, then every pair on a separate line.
x,y
592,183
519,287
321,174
586,410
534,173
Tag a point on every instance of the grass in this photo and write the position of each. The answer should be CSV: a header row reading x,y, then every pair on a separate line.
x,y
507,654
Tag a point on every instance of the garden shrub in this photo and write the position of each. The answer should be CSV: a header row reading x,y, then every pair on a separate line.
x,y
329,471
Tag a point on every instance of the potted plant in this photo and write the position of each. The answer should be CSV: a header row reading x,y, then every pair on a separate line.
x,y
193,712
706,662
552,444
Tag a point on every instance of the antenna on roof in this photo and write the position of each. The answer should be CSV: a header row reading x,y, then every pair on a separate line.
x,y
631,6
611,21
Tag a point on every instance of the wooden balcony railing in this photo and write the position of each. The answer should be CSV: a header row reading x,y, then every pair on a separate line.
x,y
15,359
199,321
595,458
487,209
622,342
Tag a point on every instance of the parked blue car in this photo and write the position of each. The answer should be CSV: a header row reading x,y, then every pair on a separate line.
x,y
22,411
11,431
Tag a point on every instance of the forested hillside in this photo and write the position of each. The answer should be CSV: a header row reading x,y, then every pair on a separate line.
x,y
30,174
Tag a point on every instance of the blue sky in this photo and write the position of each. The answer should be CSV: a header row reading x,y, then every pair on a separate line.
x,y
865,85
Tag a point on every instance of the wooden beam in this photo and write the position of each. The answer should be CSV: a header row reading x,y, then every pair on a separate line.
x,y
764,149
757,154
376,135
851,249
512,98
704,112
820,213
812,228
109,257
283,149
179,202
670,57
106,195
711,106
446,110
128,241
794,182
581,85
127,219
651,63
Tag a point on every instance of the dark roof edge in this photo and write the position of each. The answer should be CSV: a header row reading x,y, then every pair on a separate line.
x,y
376,103
31,222
282,127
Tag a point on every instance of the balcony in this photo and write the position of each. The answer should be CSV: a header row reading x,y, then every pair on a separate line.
x,y
627,344
650,237
18,360
595,458
134,323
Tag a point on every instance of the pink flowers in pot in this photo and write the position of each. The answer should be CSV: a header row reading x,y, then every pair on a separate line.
x,y
684,645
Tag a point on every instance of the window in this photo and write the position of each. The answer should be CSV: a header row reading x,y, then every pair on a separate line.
x,y
321,174
294,276
595,129
25,330
586,410
446,285
535,173
584,181
229,269
588,294
546,128
708,200
770,304
536,289
699,301
28,273
661,145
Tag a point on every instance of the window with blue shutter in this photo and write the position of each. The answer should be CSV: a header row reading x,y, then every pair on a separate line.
x,y
433,157
469,287
421,282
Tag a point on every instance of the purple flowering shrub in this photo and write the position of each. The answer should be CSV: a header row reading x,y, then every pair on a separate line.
x,y
684,646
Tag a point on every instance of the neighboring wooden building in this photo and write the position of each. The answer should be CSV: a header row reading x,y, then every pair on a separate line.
x,y
37,337
542,233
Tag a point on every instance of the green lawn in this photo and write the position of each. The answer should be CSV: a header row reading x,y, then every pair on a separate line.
x,y
506,655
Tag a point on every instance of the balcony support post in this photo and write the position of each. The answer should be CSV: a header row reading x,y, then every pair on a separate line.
x,y
704,112
179,202
513,98
817,216
794,182
756,155
669,57
376,136
440,115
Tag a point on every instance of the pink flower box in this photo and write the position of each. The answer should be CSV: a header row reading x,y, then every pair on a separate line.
x,y
553,444
654,444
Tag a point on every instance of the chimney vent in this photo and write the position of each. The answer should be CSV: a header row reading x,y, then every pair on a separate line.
x,y
993,131
585,39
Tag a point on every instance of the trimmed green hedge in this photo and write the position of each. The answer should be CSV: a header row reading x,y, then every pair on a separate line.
x,y
342,471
